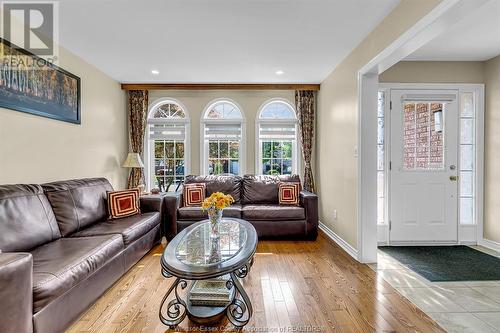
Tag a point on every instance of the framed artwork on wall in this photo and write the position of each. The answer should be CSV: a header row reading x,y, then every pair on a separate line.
x,y
34,85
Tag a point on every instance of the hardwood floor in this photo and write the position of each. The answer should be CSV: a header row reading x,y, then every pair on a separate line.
x,y
298,286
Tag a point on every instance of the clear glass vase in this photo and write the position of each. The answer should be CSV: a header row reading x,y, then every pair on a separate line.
x,y
215,217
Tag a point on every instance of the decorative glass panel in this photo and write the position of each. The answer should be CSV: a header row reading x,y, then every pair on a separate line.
x,y
381,104
380,210
277,110
423,146
380,132
169,111
380,157
466,211
466,183
380,184
467,101
467,157
467,131
224,110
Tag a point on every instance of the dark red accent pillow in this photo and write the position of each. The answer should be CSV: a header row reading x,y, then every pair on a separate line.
x,y
289,193
193,194
123,203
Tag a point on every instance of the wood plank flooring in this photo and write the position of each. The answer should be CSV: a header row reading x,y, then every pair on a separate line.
x,y
295,286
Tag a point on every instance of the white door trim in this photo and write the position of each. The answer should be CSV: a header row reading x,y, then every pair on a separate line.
x,y
438,20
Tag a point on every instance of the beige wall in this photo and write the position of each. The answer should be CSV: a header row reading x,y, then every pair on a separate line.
x,y
492,149
36,149
435,72
336,171
196,101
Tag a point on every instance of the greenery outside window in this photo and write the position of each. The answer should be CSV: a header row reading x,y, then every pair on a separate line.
x,y
277,139
167,145
223,132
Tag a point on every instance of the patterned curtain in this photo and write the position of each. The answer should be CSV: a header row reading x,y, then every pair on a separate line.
x,y
305,103
137,111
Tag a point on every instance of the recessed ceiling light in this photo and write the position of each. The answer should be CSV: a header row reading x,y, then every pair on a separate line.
x,y
155,72
279,72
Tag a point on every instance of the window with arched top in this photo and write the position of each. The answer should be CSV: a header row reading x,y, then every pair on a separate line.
x,y
222,138
276,129
167,145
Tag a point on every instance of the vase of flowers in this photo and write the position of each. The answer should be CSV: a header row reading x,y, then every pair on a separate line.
x,y
214,205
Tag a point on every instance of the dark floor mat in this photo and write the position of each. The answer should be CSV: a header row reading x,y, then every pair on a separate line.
x,y
447,263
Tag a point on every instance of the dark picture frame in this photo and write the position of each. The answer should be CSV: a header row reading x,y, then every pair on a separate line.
x,y
34,85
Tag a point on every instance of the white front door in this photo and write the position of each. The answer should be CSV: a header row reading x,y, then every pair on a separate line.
x,y
423,166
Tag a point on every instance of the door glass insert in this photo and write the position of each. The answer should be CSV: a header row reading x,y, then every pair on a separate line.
x,y
423,141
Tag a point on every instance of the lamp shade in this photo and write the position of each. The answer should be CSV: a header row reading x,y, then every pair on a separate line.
x,y
133,161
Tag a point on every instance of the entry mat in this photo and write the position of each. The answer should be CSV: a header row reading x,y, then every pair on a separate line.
x,y
447,263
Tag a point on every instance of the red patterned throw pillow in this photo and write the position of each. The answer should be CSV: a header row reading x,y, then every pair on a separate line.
x,y
123,203
289,193
193,194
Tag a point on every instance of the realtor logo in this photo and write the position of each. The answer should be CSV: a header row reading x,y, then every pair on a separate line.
x,y
31,26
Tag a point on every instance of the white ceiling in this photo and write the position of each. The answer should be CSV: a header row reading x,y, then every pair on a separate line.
x,y
475,38
217,41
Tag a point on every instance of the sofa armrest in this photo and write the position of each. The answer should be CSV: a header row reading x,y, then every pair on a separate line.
x,y
16,292
309,201
151,203
173,201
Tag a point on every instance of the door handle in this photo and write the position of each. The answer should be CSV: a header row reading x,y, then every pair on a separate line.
x,y
453,178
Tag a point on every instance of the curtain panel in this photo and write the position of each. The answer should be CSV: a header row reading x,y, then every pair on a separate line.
x,y
138,109
305,104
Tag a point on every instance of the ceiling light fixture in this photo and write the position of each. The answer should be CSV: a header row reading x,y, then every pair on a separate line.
x,y
155,72
279,72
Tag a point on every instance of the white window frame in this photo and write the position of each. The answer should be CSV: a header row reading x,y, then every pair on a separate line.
x,y
296,159
204,142
149,147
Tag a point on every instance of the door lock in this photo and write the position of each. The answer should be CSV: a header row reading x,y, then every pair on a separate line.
x,y
453,178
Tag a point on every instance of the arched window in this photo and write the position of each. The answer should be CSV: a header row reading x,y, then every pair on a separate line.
x,y
167,144
276,128
223,133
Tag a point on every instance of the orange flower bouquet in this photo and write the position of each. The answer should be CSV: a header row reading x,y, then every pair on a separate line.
x,y
214,205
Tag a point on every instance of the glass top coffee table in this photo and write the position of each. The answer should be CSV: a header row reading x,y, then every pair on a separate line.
x,y
207,270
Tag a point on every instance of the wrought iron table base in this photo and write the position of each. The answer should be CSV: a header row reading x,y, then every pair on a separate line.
x,y
238,311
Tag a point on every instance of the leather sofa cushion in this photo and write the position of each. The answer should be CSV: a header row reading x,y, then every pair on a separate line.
x,y
217,183
78,203
26,219
263,189
197,214
272,212
60,265
130,228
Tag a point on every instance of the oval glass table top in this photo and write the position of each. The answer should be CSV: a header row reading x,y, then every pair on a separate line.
x,y
197,247
194,254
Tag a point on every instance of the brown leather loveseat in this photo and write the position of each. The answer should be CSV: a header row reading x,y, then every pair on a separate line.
x,y
60,252
256,200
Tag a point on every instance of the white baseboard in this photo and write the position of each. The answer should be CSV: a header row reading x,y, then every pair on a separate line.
x,y
339,241
490,244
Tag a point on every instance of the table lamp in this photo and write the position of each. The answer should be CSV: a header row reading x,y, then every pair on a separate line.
x,y
133,161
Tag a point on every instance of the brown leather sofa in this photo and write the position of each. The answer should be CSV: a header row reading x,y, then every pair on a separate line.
x,y
60,252
256,200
